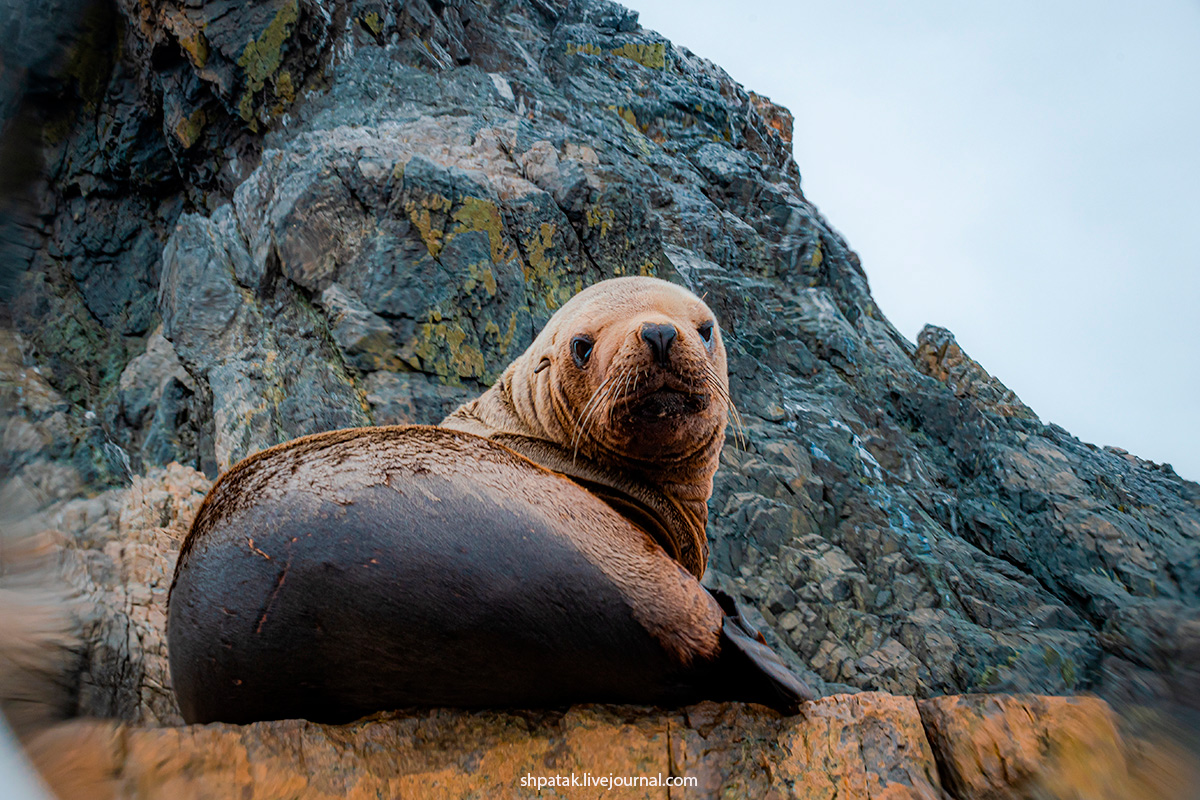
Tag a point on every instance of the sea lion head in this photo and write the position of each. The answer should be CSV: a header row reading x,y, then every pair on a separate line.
x,y
636,374
626,390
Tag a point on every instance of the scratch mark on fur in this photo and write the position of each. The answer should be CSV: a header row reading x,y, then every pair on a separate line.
x,y
278,585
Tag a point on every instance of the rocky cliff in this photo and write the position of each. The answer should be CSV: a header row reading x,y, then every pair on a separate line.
x,y
228,224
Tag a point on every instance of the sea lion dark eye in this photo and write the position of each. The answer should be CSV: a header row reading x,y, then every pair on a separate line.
x,y
581,350
705,330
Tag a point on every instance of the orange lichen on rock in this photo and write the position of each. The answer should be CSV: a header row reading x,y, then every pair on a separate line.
x,y
774,115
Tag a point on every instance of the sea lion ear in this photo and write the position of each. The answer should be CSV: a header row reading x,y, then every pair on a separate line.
x,y
543,364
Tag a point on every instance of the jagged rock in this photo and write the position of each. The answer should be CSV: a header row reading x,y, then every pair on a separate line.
x,y
346,214
939,356
364,337
158,400
934,535
775,116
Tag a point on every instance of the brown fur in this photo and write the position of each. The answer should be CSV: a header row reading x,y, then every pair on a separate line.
x,y
359,457
657,472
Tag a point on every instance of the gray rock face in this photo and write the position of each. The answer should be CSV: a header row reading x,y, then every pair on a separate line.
x,y
361,215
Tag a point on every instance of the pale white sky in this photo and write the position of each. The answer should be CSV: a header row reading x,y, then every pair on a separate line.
x,y
1026,174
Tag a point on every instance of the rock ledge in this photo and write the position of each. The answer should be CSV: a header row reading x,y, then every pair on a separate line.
x,y
868,745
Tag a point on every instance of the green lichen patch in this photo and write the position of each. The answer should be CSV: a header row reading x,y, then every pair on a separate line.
x,y
1066,669
547,271
646,268
262,57
189,128
246,109
1068,673
196,48
651,56
468,335
627,115
477,214
190,36
438,219
503,340
285,90
600,217
988,678
586,48
85,360
428,215
480,275
445,346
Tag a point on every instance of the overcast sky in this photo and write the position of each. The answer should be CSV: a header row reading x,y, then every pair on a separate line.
x,y
1026,174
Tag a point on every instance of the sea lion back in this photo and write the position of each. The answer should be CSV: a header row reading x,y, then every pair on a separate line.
x,y
323,584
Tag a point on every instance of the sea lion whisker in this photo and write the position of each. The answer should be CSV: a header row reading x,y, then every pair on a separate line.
x,y
714,386
598,400
739,426
623,395
606,403
579,423
714,383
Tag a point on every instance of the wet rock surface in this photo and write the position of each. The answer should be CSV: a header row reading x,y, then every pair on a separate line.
x,y
250,222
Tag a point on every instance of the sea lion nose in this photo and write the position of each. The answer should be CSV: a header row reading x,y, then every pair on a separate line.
x,y
659,336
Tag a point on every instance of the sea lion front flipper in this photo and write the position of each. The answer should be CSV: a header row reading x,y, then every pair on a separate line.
x,y
759,673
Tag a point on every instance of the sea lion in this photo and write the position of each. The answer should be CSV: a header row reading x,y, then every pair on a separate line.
x,y
375,568
626,391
